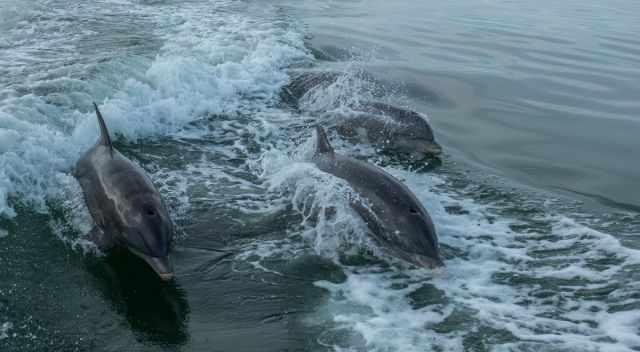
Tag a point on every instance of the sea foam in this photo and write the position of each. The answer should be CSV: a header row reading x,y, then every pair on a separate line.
x,y
208,64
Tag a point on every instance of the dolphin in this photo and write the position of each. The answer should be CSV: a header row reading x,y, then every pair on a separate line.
x,y
126,207
397,221
390,128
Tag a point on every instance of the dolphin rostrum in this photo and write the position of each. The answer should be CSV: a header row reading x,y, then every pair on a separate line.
x,y
398,222
127,208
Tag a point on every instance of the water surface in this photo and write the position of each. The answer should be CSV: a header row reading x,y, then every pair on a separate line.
x,y
535,199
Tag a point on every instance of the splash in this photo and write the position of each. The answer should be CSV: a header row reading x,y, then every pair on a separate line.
x,y
208,63
512,283
330,225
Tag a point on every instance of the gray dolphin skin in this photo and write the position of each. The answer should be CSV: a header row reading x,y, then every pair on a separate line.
x,y
398,222
127,208
392,129
387,127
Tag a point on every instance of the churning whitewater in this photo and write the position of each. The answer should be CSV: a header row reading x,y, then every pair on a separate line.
x,y
269,254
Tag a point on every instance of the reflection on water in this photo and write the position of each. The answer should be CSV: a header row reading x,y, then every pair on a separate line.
x,y
157,311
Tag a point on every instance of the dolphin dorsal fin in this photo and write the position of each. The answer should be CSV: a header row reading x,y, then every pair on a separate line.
x,y
104,133
322,143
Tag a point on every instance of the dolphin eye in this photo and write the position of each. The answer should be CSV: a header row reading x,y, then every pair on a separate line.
x,y
413,211
150,212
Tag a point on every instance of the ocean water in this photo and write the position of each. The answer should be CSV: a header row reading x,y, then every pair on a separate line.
x,y
535,199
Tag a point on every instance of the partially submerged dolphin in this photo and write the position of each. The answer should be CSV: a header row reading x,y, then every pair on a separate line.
x,y
387,127
127,209
392,129
398,222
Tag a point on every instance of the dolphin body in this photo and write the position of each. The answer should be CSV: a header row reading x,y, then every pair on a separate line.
x,y
398,222
385,126
127,208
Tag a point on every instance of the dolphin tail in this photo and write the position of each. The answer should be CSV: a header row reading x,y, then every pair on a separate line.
x,y
104,133
322,143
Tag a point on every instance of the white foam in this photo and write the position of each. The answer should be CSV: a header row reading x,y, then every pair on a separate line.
x,y
4,330
382,315
329,222
208,64
492,248
347,92
524,283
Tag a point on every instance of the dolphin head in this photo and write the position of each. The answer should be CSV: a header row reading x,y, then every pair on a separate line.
x,y
408,132
148,232
411,234
415,136
416,146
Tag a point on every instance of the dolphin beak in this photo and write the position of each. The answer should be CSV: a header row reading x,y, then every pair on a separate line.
x,y
433,149
161,265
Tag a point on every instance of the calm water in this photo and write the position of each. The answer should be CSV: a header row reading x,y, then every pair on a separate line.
x,y
544,93
535,201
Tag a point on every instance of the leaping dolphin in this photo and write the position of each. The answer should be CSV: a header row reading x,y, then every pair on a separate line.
x,y
127,208
397,220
